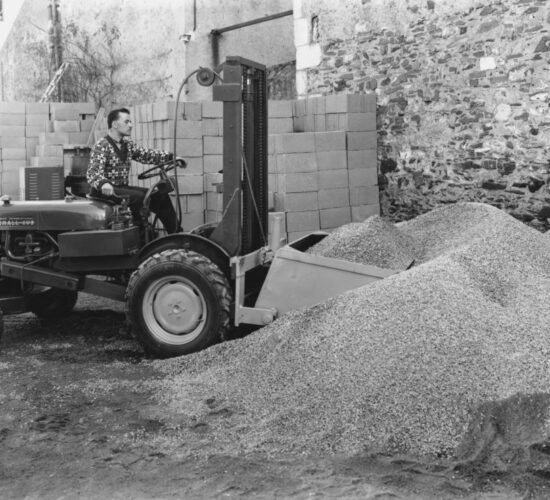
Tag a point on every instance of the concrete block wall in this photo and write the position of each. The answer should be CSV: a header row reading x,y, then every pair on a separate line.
x,y
321,155
39,135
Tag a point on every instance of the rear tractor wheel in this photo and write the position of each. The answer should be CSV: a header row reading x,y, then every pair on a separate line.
x,y
178,302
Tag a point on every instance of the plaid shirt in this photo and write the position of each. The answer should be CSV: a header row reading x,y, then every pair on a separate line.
x,y
106,165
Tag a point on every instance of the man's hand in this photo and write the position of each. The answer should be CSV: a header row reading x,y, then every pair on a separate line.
x,y
181,162
107,189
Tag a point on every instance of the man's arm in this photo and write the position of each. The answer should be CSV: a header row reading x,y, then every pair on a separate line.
x,y
148,156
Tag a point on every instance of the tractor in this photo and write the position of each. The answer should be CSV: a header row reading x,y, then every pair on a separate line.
x,y
184,291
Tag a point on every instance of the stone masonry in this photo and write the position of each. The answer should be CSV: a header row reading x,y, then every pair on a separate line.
x,y
463,96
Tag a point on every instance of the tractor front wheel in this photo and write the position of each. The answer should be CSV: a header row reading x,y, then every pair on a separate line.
x,y
178,302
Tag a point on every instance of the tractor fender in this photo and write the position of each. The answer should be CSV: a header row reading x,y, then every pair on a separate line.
x,y
188,241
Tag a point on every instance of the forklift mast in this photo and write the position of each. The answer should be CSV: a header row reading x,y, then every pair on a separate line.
x,y
243,228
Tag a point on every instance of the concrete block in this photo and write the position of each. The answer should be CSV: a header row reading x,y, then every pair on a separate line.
x,y
190,221
366,158
280,126
193,111
87,125
213,163
299,107
53,138
11,184
196,203
333,198
210,127
12,131
78,137
317,105
12,119
189,147
297,183
64,111
66,126
36,130
296,163
12,107
364,195
330,141
319,123
358,122
212,216
271,144
47,161
331,160
212,109
14,154
214,201
333,121
190,184
10,165
362,212
13,142
213,145
363,177
272,164
49,150
333,179
295,143
30,145
358,141
212,182
36,120
334,217
296,235
194,166
279,109
350,103
185,129
37,108
161,111
302,221
300,202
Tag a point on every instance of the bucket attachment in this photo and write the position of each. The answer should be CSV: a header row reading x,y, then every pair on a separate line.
x,y
297,279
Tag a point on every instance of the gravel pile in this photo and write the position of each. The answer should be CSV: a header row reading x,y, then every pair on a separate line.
x,y
402,365
376,242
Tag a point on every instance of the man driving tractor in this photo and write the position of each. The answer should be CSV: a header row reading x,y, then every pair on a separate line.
x,y
109,169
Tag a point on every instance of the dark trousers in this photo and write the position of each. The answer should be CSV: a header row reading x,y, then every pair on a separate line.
x,y
160,204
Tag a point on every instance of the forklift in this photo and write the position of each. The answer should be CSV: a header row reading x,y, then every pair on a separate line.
x,y
186,291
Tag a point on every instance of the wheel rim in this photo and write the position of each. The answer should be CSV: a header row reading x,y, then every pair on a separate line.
x,y
174,310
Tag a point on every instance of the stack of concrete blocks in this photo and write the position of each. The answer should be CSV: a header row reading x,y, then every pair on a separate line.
x,y
198,138
13,144
67,131
322,158
39,135
323,161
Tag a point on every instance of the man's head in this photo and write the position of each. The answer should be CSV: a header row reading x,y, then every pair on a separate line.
x,y
118,121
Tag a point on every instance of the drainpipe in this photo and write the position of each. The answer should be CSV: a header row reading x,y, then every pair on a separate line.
x,y
217,33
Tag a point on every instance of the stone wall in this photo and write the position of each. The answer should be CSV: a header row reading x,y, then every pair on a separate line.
x,y
463,99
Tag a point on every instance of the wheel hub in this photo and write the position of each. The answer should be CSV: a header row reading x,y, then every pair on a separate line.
x,y
177,307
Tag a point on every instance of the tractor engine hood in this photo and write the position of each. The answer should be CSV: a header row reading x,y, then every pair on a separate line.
x,y
55,215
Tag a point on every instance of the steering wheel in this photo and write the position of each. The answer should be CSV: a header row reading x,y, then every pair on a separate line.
x,y
156,170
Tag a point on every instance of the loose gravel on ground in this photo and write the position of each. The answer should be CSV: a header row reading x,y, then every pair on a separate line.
x,y
398,366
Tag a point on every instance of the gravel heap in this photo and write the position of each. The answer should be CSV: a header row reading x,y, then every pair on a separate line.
x,y
376,241
401,365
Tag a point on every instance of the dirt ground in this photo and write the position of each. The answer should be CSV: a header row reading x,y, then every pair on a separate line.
x,y
78,420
